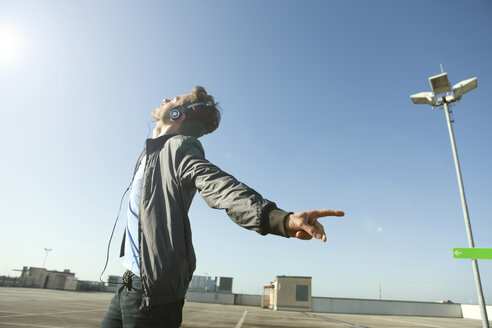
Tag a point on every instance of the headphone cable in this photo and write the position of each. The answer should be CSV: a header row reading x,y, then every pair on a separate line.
x,y
112,232
116,221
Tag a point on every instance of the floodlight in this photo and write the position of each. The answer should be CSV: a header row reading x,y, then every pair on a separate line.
x,y
424,98
440,83
464,86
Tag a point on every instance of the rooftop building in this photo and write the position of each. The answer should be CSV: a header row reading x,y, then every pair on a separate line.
x,y
51,279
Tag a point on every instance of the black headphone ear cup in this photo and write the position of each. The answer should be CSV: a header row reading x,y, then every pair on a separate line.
x,y
175,114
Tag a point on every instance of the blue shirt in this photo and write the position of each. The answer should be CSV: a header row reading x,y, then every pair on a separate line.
x,y
132,260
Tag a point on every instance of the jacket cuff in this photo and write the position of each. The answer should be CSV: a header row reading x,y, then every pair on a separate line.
x,y
276,222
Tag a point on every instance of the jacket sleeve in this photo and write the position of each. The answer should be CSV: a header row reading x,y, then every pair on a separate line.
x,y
221,190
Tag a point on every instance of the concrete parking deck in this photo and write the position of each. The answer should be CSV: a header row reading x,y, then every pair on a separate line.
x,y
26,307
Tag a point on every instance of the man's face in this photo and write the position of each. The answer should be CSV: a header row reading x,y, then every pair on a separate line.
x,y
167,104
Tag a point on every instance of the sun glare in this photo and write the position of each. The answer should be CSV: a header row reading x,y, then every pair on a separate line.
x,y
10,47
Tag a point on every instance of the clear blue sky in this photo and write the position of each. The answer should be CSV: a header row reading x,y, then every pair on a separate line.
x,y
316,114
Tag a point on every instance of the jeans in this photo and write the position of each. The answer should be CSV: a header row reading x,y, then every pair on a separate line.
x,y
124,310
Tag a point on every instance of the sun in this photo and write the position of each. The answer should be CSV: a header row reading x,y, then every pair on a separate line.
x,y
10,46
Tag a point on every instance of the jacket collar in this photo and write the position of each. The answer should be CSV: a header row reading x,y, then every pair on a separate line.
x,y
156,144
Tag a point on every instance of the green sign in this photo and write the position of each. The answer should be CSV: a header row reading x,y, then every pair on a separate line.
x,y
472,253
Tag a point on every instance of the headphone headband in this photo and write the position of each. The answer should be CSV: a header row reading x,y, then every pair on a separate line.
x,y
175,112
208,104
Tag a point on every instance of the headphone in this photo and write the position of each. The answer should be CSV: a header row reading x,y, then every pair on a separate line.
x,y
176,112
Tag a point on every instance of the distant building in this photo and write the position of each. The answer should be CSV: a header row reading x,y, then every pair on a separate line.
x,y
288,293
225,285
7,281
51,279
90,286
114,283
203,283
207,284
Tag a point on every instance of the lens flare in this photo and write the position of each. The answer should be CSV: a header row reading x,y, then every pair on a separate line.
x,y
10,46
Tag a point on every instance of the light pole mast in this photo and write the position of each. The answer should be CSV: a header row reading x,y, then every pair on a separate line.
x,y
380,296
476,273
440,84
47,250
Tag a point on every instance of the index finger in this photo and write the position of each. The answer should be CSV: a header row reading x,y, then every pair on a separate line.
x,y
325,212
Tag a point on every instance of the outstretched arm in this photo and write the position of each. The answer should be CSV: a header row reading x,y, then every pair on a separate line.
x,y
243,205
305,225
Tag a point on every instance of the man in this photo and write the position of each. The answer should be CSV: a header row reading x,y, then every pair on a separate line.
x,y
157,246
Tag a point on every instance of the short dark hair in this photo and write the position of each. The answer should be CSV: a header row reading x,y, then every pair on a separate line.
x,y
201,119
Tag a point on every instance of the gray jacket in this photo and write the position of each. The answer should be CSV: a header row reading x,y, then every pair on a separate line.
x,y
175,168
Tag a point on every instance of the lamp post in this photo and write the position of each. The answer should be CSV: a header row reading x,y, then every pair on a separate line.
x,y
440,85
47,250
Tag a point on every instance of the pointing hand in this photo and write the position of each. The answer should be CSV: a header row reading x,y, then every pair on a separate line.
x,y
305,225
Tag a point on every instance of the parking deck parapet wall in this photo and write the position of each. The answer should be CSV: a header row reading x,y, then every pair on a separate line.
x,y
353,305
472,311
210,297
385,307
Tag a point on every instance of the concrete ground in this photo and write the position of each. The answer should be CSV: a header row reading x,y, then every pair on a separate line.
x,y
30,307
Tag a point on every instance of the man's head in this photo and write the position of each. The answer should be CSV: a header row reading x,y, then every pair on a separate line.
x,y
195,120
